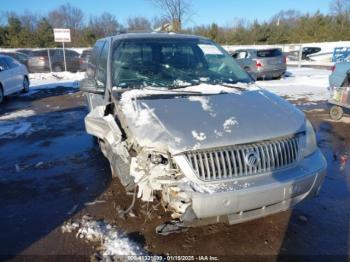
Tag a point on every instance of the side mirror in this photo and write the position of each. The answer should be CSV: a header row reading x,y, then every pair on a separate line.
x,y
1,68
91,86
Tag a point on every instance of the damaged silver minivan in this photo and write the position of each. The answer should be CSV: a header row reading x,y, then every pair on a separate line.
x,y
180,121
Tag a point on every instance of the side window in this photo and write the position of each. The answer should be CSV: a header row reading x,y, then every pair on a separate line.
x,y
235,55
72,54
242,55
101,70
3,65
12,63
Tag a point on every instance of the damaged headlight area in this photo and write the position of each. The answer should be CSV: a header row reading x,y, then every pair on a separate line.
x,y
157,159
152,170
311,141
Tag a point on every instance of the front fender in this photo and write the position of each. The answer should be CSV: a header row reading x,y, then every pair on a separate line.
x,y
103,127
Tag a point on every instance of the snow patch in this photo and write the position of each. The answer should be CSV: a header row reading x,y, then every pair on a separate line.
x,y
54,77
14,129
229,123
217,89
40,81
17,114
140,116
303,83
143,116
199,136
218,133
113,241
11,127
205,103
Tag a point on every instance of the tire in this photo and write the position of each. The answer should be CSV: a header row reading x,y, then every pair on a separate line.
x,y
1,95
336,113
25,85
57,68
277,77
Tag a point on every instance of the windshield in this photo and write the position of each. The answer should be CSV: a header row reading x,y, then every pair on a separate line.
x,y
173,63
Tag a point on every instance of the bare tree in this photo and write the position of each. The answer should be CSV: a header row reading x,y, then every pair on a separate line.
x,y
341,11
67,16
289,16
138,24
158,22
340,7
30,20
174,11
3,18
104,25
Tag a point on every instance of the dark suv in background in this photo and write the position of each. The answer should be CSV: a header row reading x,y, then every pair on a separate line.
x,y
40,62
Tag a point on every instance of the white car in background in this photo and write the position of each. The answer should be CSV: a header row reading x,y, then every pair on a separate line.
x,y
13,77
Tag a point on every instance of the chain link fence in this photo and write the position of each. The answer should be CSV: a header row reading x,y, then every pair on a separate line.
x,y
51,59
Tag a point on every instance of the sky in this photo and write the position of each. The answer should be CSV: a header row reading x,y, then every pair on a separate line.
x,y
222,12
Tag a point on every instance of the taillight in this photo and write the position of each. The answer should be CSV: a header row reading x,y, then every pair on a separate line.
x,y
258,63
333,68
284,60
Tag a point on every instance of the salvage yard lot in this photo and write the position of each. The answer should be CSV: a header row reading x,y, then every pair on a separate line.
x,y
57,192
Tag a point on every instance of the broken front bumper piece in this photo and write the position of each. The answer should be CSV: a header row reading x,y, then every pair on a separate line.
x,y
250,197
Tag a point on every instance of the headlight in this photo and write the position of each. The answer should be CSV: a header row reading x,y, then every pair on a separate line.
x,y
311,143
157,159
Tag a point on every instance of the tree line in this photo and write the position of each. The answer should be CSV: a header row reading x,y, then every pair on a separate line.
x,y
33,30
284,28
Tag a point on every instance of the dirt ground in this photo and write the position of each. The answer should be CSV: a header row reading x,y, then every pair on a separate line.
x,y
54,173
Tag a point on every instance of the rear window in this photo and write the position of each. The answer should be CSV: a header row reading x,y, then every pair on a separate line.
x,y
86,53
72,53
269,53
40,53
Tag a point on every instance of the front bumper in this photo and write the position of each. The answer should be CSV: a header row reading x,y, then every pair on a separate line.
x,y
263,194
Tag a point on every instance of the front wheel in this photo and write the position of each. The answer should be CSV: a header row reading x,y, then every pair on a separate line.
x,y
336,112
25,85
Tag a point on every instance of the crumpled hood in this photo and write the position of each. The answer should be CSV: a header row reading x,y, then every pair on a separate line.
x,y
180,123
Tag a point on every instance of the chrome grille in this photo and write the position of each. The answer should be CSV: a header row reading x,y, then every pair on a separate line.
x,y
245,160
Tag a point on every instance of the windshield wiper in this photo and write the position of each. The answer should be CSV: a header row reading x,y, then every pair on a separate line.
x,y
229,84
174,90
